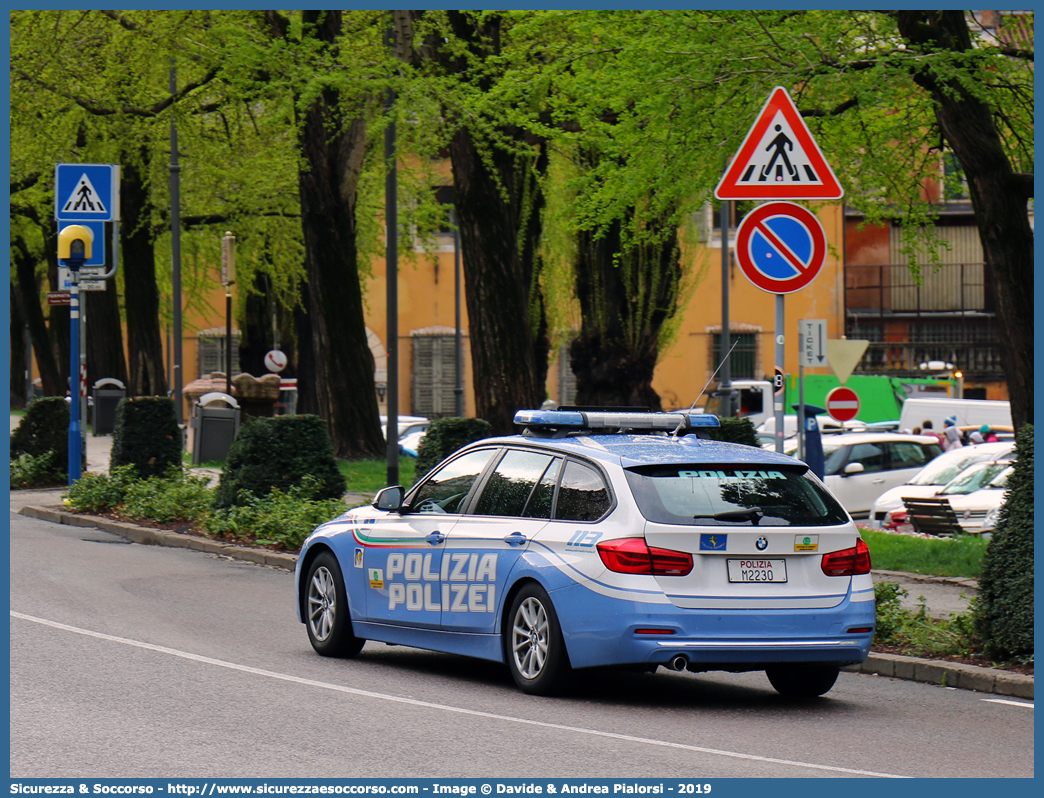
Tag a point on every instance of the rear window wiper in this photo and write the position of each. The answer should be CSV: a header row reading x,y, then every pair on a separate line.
x,y
752,514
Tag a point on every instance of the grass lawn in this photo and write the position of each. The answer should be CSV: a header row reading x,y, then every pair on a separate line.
x,y
943,557
369,476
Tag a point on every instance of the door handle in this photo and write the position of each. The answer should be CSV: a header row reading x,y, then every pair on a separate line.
x,y
515,539
435,538
878,481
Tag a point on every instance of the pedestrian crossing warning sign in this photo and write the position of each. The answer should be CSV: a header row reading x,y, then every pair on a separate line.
x,y
779,159
84,199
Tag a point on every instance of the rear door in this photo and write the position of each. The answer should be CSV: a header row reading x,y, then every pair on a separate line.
x,y
756,535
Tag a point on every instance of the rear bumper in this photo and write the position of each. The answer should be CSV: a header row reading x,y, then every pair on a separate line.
x,y
602,631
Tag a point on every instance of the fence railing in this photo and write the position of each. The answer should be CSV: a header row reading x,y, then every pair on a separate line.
x,y
883,289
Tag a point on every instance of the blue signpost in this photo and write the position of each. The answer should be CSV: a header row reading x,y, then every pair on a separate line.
x,y
86,195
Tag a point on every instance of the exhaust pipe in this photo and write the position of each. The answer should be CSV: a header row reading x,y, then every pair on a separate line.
x,y
679,663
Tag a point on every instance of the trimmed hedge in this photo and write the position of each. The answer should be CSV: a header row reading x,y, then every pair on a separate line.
x,y
43,429
1004,609
444,437
279,452
146,436
735,430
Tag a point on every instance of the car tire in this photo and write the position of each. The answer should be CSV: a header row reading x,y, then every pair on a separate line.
x,y
327,617
534,647
802,680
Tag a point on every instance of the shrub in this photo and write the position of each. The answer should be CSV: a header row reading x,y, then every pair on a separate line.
x,y
146,435
43,429
97,492
1004,610
177,495
444,437
283,519
28,471
735,430
279,452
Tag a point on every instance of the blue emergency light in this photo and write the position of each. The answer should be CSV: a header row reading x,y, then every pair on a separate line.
x,y
579,420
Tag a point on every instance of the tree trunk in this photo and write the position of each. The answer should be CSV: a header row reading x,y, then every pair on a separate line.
x,y
307,398
52,379
141,294
626,295
998,195
498,214
18,339
105,355
344,378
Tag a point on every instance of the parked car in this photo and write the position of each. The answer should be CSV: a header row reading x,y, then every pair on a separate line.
x,y
977,498
601,539
407,424
934,476
860,466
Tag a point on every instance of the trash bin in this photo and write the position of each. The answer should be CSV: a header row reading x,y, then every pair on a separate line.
x,y
213,427
108,392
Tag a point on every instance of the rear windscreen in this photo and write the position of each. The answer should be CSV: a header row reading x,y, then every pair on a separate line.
x,y
733,496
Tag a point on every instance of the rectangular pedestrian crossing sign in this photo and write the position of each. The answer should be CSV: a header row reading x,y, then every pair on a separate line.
x,y
779,159
86,192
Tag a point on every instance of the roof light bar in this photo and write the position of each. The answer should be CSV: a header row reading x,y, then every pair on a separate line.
x,y
580,420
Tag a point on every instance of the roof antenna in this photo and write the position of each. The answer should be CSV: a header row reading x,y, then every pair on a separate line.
x,y
712,376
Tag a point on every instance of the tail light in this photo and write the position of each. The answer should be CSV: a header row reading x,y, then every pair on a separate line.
x,y
634,556
848,562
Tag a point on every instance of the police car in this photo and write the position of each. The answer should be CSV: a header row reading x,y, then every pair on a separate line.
x,y
599,539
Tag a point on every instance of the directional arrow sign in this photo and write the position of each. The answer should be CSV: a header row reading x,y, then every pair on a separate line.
x,y
844,355
812,344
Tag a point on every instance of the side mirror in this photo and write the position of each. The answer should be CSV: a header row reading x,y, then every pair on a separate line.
x,y
854,468
389,499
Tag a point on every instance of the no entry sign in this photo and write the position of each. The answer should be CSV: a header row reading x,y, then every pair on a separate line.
x,y
780,247
842,403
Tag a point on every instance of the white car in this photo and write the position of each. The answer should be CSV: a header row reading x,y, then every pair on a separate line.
x,y
407,424
931,479
860,466
977,501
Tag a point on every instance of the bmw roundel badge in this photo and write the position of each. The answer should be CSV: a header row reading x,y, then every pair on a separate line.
x,y
762,543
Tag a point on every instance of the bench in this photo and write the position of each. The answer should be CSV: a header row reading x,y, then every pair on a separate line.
x,y
932,516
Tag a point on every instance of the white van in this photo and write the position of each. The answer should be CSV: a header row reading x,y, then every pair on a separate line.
x,y
968,412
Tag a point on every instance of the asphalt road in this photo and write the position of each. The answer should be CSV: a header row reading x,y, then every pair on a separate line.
x,y
137,661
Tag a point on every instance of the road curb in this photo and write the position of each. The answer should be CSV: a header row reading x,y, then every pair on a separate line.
x,y
161,537
896,666
960,581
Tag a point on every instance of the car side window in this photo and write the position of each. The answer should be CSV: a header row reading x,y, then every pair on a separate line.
x,y
511,483
907,454
871,455
446,490
540,501
582,496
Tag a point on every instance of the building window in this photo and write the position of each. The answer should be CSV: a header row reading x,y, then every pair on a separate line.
x,y
211,352
445,197
433,377
955,182
744,356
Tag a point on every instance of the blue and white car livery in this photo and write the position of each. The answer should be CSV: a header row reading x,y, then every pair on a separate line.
x,y
601,539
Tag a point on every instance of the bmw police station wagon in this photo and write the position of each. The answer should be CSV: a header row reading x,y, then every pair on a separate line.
x,y
600,539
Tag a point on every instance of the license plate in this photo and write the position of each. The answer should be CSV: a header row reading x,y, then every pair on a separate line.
x,y
754,570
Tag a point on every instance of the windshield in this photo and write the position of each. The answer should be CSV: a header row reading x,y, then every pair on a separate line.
x,y
975,477
946,466
1001,480
697,495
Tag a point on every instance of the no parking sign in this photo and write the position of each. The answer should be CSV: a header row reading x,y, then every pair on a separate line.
x,y
780,247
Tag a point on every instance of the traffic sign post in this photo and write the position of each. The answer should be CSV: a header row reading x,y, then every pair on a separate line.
x,y
780,247
811,352
779,159
842,404
86,192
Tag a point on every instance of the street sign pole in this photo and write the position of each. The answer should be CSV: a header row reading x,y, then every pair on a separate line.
x,y
801,411
75,439
778,399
